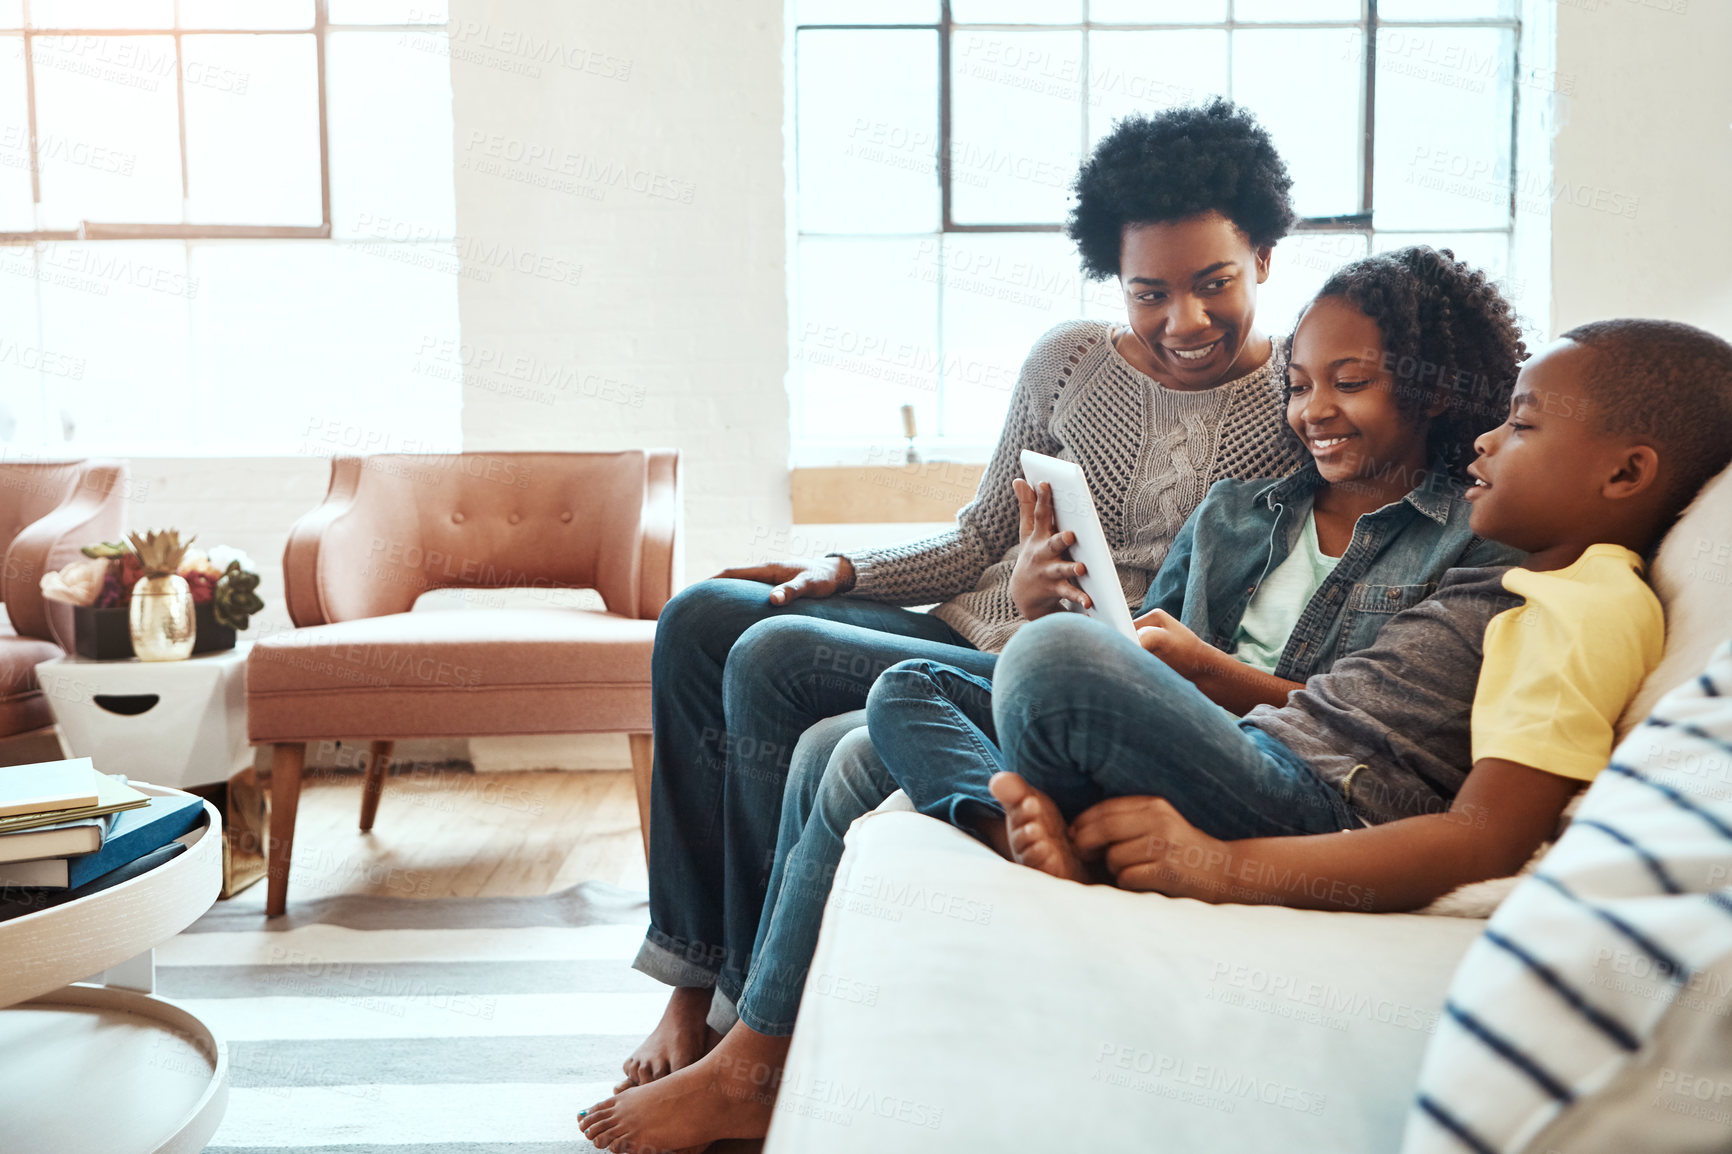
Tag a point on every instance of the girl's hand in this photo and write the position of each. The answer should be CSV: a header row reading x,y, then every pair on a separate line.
x,y
1044,573
795,579
1147,844
1184,652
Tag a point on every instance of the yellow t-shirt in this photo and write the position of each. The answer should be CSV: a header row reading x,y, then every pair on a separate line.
x,y
1562,666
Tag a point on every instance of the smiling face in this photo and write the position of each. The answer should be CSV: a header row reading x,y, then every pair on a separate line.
x,y
1191,292
1540,474
1342,400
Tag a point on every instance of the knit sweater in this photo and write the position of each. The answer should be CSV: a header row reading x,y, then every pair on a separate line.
x,y
1149,454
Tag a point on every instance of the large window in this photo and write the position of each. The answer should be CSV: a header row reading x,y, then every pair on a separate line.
x,y
227,227
935,142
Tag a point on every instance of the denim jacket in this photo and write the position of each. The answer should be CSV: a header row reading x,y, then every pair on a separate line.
x,y
1244,529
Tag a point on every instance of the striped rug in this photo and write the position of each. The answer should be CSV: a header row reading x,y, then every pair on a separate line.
x,y
404,1026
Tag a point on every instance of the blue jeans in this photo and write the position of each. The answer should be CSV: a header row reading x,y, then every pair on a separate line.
x,y
735,681
1084,714
853,783
932,726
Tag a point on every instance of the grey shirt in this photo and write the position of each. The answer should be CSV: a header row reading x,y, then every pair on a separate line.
x,y
1401,708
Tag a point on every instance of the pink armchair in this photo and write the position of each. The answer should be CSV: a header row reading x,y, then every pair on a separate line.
x,y
361,665
49,510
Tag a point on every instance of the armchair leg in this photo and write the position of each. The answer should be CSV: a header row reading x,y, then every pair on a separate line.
x,y
642,759
378,760
286,761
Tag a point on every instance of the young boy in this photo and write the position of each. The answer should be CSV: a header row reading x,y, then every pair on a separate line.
x,y
1519,673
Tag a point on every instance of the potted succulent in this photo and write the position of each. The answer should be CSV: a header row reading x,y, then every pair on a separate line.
x,y
222,585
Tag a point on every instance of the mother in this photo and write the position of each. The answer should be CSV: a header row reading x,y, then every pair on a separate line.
x,y
1184,208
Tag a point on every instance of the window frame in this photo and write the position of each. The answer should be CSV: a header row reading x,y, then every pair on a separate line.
x,y
812,446
1368,23
122,230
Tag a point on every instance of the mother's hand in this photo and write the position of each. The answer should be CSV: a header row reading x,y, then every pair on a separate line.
x,y
1044,574
820,577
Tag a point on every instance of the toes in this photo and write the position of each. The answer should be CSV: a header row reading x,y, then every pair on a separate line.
x,y
625,1085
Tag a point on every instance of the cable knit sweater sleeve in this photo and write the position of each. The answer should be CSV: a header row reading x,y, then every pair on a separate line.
x,y
938,568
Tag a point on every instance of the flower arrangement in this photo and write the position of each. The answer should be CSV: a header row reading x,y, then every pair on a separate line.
x,y
224,578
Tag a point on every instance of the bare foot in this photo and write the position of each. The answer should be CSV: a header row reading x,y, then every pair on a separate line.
x,y
679,1039
729,1093
1036,830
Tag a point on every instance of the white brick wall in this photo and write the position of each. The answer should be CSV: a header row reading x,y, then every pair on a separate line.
x,y
651,156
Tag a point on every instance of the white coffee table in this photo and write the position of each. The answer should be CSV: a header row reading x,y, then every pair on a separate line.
x,y
91,1069
192,727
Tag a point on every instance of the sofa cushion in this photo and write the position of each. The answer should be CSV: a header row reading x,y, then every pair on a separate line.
x,y
1692,573
959,1002
1625,925
22,704
467,673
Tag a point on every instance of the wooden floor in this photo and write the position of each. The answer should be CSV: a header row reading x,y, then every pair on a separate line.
x,y
459,834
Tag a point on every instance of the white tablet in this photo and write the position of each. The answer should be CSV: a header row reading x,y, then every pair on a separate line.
x,y
1074,510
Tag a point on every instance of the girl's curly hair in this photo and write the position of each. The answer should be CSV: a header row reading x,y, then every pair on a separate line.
x,y
1447,332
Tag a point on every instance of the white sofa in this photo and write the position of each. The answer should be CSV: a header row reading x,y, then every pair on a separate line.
x,y
958,1002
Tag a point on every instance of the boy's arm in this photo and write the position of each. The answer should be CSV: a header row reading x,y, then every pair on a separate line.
x,y
1504,811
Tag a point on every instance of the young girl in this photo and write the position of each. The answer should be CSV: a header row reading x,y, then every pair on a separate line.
x,y
1398,364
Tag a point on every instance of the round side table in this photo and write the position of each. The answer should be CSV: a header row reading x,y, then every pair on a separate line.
x,y
91,1069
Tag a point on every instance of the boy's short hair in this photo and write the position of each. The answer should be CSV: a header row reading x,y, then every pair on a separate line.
x,y
1668,384
1174,164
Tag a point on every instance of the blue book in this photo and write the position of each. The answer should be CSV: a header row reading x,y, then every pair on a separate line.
x,y
135,833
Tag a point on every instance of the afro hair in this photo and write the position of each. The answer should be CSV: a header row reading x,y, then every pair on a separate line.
x,y
1178,163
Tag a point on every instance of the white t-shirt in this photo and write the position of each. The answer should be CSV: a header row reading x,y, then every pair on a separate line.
x,y
1278,602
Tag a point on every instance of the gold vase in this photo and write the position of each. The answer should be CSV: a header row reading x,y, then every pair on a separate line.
x,y
163,627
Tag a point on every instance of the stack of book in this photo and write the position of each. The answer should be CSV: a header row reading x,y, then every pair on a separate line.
x,y
67,831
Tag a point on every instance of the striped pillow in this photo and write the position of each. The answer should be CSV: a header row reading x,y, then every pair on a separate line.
x,y
1628,916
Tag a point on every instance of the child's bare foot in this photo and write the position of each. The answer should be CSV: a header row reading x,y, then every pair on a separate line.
x,y
679,1039
729,1093
1037,833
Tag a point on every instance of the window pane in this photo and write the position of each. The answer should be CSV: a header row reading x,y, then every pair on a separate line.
x,y
865,337
1001,292
107,124
1457,9
1016,101
1443,127
17,207
390,134
289,14
866,11
388,11
102,13
1302,262
1488,251
1315,125
252,130
1157,11
11,13
121,306
867,146
1148,71
24,415
1295,11
363,350
1016,11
